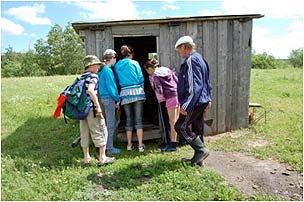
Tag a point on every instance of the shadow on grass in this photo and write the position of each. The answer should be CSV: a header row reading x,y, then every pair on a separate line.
x,y
44,140
136,174
48,141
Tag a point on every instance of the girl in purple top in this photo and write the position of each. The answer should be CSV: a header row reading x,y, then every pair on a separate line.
x,y
164,83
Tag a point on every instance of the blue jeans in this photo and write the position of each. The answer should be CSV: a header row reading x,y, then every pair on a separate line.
x,y
134,115
109,107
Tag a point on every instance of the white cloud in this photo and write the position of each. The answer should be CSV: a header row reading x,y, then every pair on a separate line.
x,y
170,7
114,10
269,8
10,27
30,14
279,45
31,35
212,12
147,12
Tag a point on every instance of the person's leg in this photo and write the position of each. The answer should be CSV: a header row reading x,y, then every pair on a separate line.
x,y
99,133
109,105
129,124
163,113
173,115
138,112
198,127
84,140
173,112
183,129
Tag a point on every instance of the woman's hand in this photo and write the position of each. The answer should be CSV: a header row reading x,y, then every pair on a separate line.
x,y
183,112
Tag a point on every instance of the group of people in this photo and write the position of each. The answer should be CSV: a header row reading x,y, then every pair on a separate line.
x,y
185,97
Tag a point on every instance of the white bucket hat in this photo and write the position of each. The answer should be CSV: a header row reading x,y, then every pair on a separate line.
x,y
182,40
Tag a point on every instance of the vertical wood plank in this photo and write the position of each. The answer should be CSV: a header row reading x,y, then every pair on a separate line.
x,y
245,65
90,42
236,73
104,40
199,38
164,45
228,98
210,54
222,75
99,49
175,60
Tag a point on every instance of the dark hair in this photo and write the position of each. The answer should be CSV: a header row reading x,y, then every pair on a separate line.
x,y
154,62
151,63
126,51
148,65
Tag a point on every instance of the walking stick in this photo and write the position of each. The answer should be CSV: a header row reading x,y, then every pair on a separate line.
x,y
163,123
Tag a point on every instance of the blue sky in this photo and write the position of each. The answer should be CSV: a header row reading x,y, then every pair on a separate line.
x,y
280,31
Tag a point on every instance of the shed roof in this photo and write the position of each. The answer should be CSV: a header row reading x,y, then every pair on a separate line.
x,y
101,24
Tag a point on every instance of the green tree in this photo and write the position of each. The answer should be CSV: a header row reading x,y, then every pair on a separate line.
x,y
11,63
30,66
62,52
263,61
296,57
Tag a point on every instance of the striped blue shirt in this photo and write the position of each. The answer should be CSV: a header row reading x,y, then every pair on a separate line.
x,y
90,78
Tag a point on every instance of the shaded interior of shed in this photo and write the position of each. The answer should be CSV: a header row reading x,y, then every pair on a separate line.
x,y
143,46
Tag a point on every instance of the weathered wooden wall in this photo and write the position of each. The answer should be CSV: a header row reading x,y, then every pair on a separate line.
x,y
225,44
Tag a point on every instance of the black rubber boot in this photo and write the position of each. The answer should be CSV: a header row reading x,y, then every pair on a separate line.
x,y
200,152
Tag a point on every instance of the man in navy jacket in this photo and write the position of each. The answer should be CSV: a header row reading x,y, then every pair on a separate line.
x,y
194,96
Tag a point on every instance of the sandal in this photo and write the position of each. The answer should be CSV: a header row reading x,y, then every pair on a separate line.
x,y
108,160
89,161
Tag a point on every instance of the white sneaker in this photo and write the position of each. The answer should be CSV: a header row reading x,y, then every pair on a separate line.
x,y
141,148
129,147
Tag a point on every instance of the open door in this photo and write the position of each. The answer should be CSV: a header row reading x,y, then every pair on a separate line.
x,y
144,47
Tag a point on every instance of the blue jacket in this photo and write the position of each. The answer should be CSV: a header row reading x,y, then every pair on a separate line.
x,y
107,85
193,87
128,73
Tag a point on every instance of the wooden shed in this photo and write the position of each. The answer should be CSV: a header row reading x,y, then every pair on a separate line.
x,y
224,41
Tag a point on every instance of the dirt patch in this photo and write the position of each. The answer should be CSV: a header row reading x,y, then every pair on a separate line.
x,y
254,176
257,143
234,134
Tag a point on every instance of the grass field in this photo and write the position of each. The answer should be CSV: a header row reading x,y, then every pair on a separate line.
x,y
280,91
38,163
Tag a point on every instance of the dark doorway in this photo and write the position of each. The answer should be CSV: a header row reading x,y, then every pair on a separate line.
x,y
143,46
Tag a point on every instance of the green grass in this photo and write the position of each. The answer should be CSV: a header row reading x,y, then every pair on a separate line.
x,y
38,162
280,91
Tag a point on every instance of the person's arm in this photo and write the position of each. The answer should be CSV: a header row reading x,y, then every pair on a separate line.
x,y
174,76
158,85
140,76
94,98
194,85
111,85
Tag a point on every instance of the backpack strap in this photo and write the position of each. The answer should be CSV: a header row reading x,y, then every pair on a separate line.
x,y
84,76
65,119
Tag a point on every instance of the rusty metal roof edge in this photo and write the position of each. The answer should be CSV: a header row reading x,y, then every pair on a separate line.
x,y
85,25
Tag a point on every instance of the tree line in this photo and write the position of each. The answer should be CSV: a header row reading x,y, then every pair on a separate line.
x,y
62,51
266,61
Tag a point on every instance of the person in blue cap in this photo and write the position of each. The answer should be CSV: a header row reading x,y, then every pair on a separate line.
x,y
108,94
